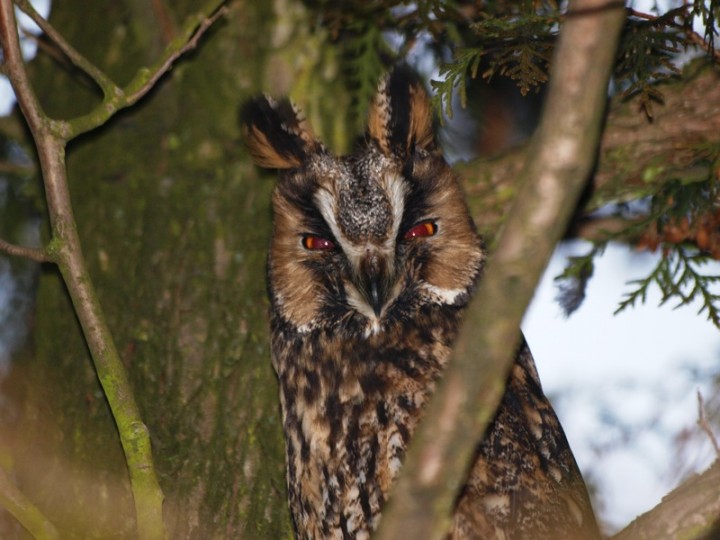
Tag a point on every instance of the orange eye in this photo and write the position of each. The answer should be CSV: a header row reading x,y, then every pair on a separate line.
x,y
317,243
425,228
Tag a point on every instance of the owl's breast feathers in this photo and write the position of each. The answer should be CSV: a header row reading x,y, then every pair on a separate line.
x,y
350,406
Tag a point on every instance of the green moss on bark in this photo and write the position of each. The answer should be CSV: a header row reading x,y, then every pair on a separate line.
x,y
174,223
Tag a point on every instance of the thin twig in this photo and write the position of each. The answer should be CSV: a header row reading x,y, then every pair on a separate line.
x,y
34,254
641,15
47,47
14,67
705,425
146,78
108,87
13,500
692,35
172,54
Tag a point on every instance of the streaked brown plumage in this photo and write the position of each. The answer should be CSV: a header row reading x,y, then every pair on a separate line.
x,y
373,259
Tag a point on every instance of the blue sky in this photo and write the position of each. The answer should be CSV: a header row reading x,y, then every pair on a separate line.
x,y
624,385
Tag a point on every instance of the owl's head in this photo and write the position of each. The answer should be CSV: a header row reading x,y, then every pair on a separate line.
x,y
368,238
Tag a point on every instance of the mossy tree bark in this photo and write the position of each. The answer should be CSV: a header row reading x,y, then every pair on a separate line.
x,y
174,225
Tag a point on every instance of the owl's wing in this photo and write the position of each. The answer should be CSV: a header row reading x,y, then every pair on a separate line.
x,y
525,483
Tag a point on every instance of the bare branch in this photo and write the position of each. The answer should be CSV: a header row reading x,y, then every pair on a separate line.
x,y
37,255
705,425
116,98
25,511
15,69
146,78
557,167
67,253
172,54
641,14
108,87
691,510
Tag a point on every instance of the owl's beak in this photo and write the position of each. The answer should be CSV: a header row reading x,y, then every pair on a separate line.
x,y
374,281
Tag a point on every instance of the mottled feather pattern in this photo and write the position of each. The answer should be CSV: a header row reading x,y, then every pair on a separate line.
x,y
524,476
348,423
363,328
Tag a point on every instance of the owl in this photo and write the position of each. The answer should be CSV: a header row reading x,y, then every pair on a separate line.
x,y
372,262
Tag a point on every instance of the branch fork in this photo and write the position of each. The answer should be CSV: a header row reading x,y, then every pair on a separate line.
x,y
51,137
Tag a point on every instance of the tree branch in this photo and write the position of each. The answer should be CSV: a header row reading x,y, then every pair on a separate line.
x,y
557,166
116,98
703,423
108,87
50,137
25,511
37,255
65,250
145,79
691,510
636,156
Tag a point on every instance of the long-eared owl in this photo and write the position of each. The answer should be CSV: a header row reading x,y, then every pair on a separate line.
x,y
372,262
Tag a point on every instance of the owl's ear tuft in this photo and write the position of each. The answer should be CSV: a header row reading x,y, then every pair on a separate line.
x,y
400,118
276,133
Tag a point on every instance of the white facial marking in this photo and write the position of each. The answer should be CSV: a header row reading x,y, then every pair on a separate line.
x,y
396,189
326,204
442,295
359,304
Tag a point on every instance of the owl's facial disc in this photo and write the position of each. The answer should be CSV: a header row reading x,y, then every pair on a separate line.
x,y
380,233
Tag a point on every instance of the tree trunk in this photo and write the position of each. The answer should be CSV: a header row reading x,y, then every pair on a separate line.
x,y
174,224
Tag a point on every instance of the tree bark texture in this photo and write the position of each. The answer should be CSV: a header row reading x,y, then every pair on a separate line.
x,y
691,510
637,154
174,224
